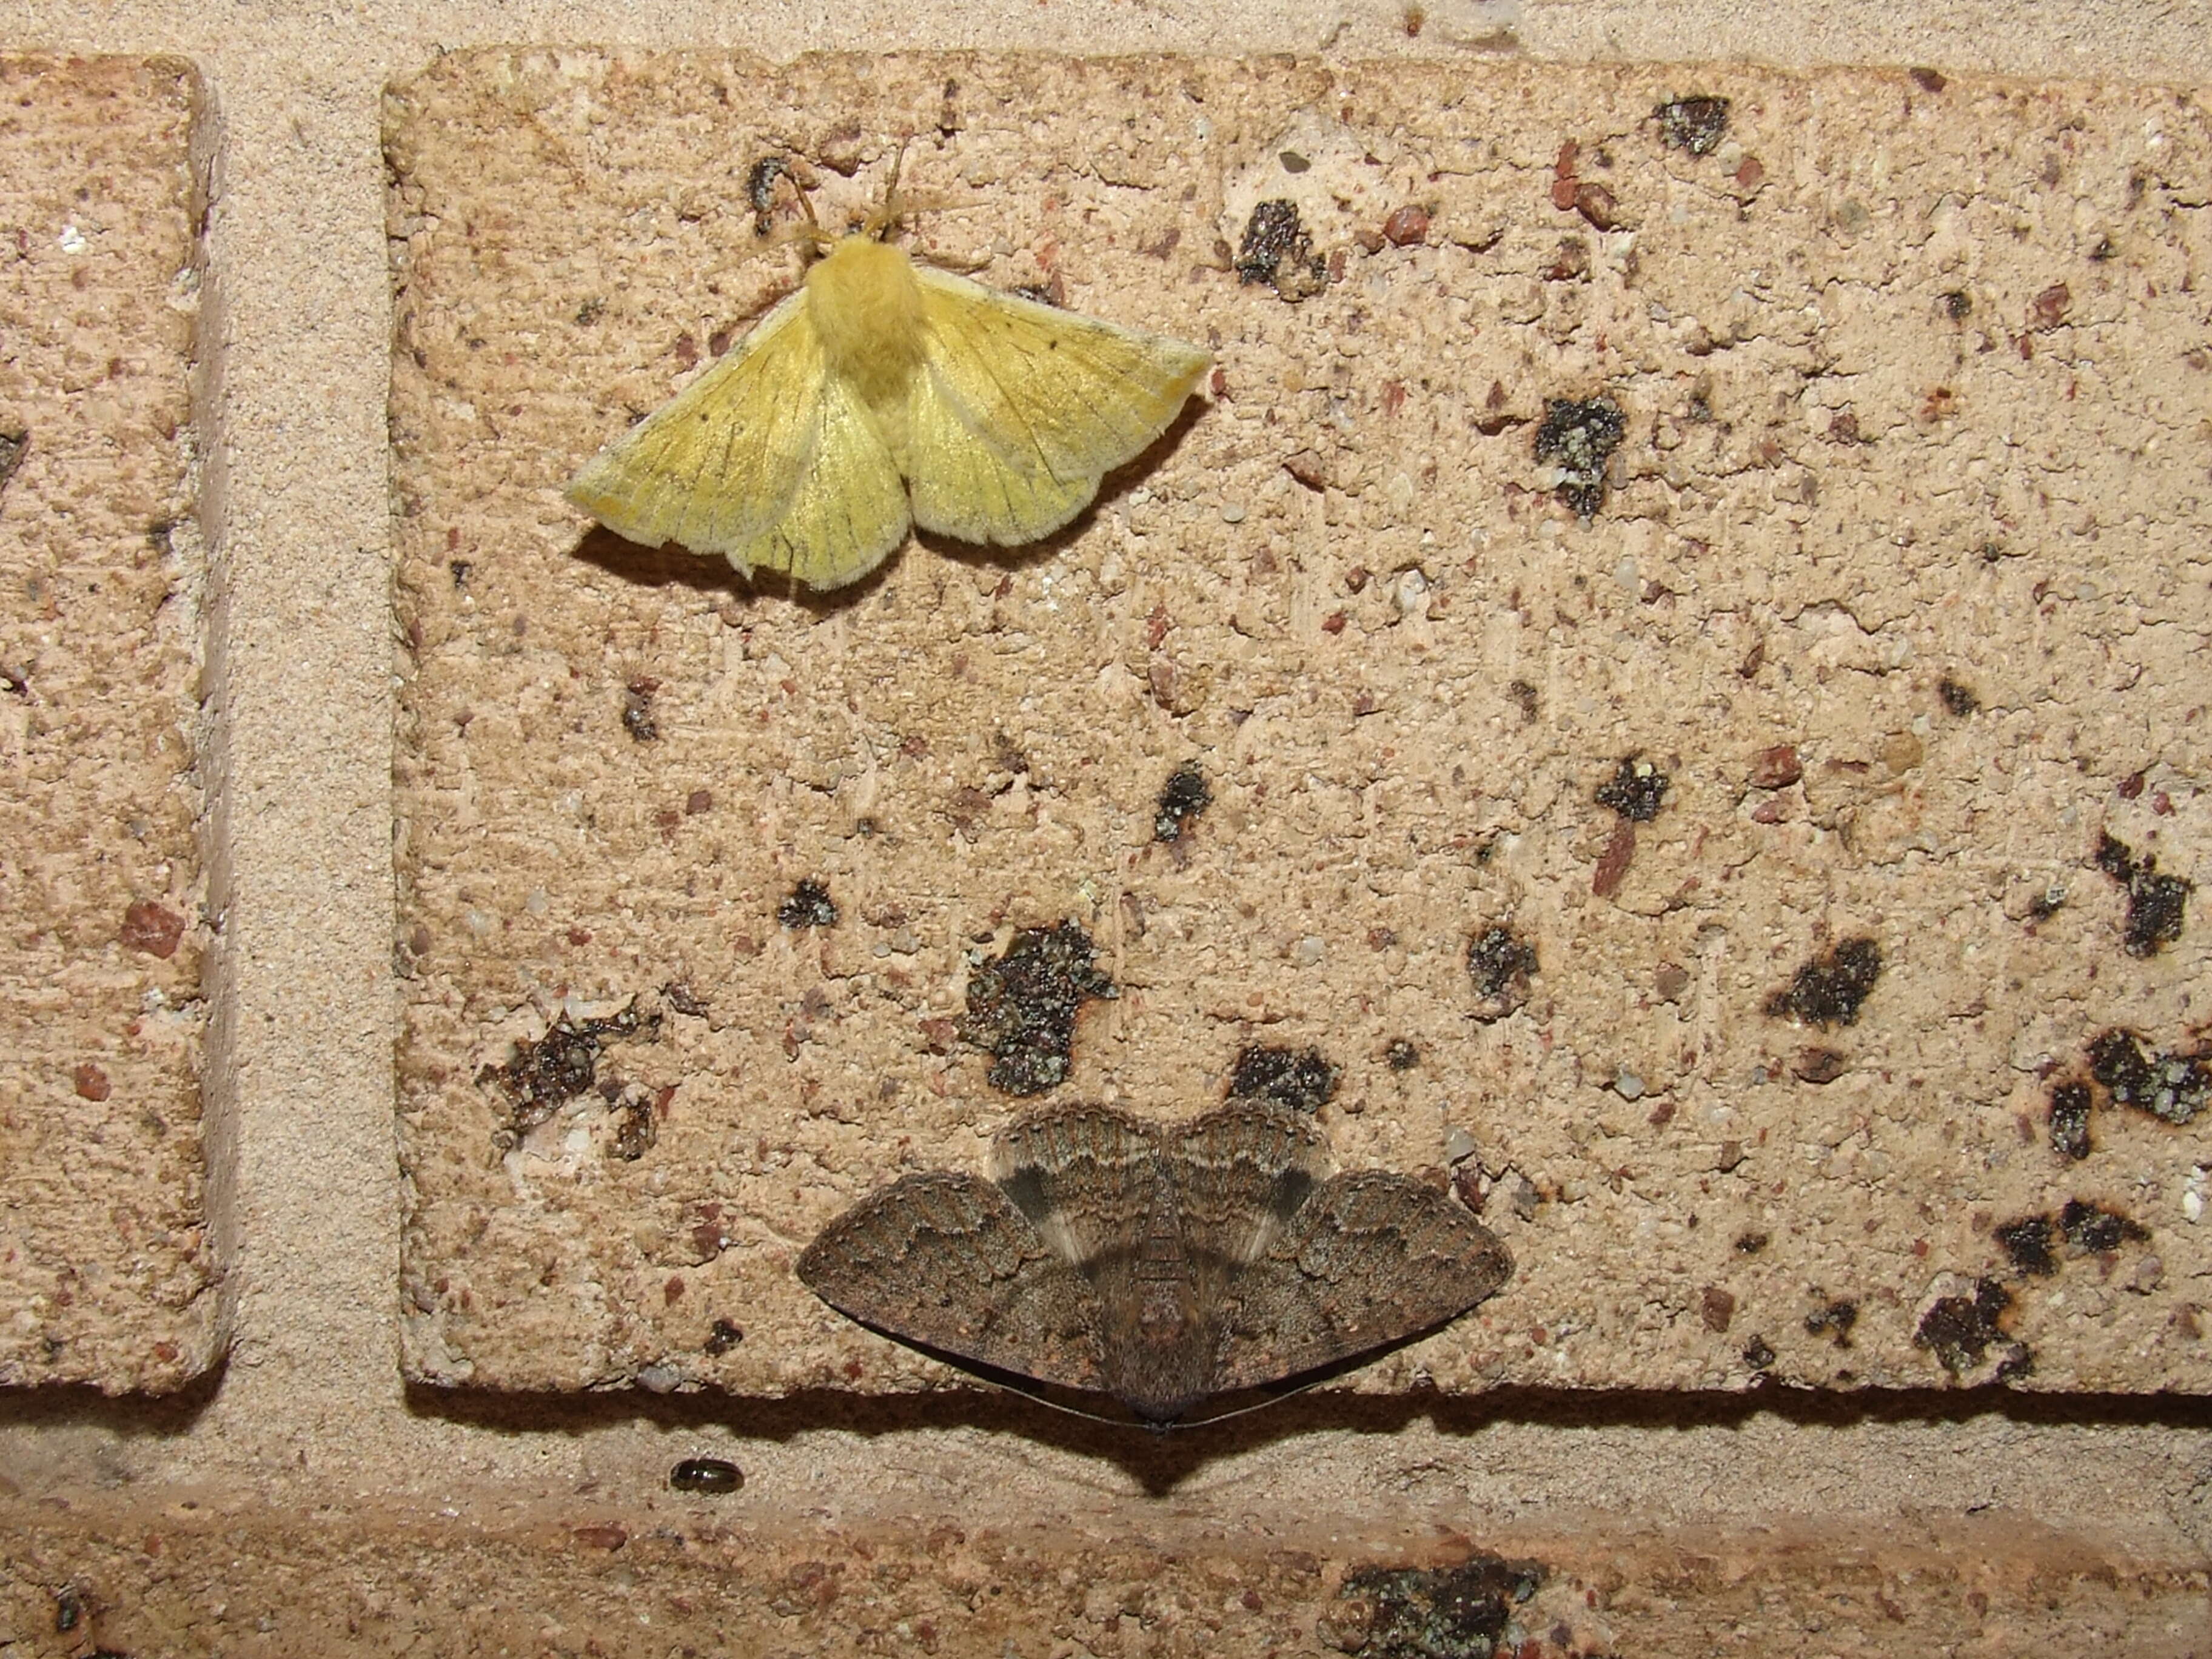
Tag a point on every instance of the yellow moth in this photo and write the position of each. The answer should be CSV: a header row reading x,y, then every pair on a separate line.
x,y
883,393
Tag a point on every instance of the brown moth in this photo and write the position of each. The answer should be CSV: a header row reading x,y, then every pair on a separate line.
x,y
1158,1265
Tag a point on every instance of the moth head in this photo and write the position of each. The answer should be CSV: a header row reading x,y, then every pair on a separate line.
x,y
774,178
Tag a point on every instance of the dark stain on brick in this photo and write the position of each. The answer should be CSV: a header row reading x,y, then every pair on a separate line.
x,y
1277,251
1830,989
2172,1086
1021,1007
1835,1319
2093,1229
808,905
2069,1119
2156,904
1430,1613
1183,797
2027,1242
1636,790
1500,961
637,716
1695,124
14,445
1959,1330
1302,1080
1578,436
1957,696
544,1076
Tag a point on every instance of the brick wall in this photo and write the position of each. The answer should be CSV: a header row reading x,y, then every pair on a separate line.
x,y
1910,488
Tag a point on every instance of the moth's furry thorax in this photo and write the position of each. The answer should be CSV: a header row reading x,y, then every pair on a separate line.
x,y
866,306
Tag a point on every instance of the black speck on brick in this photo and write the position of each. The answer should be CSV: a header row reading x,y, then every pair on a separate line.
x,y
1578,436
1960,1329
1957,696
1021,1007
1636,790
809,905
1277,251
544,1075
1183,797
1302,1080
2094,1229
2069,1119
1835,1319
637,715
714,1476
2157,905
1695,124
2028,1242
2172,1086
1500,961
1433,1613
1830,989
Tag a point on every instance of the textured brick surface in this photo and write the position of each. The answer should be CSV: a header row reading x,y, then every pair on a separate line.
x,y
686,1575
103,1262
1898,575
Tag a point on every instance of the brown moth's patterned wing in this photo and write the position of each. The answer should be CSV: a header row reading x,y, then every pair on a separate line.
x,y
1084,1176
1370,1258
1241,1174
944,1259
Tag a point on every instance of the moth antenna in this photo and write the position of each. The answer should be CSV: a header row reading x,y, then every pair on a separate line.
x,y
1245,1411
880,221
1050,1404
1006,1385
